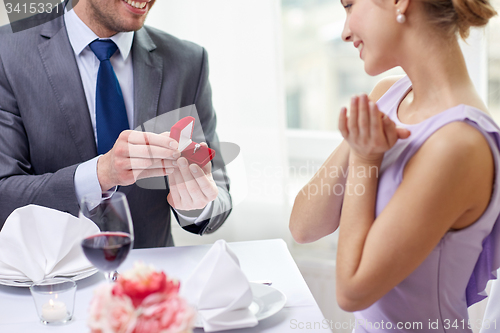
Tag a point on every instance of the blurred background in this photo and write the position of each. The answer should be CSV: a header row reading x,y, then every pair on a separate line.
x,y
280,74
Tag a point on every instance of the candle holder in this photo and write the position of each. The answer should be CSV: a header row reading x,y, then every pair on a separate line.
x,y
54,300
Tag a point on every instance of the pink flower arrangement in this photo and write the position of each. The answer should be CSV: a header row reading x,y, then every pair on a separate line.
x,y
142,300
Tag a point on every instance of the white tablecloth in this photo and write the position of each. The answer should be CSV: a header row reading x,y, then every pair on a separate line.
x,y
260,260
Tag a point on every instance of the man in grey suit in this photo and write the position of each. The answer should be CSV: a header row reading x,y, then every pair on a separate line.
x,y
48,140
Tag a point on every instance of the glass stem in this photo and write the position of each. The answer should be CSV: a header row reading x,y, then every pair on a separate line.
x,y
110,276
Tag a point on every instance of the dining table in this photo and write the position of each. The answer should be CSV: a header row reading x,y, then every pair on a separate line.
x,y
259,260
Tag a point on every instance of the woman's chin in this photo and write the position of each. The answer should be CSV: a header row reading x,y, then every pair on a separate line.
x,y
372,70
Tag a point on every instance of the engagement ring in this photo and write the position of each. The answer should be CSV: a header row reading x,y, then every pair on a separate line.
x,y
196,147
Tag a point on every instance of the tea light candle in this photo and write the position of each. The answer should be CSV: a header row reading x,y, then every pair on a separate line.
x,y
54,311
54,300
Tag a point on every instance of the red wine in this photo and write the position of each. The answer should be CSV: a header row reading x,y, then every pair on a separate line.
x,y
108,250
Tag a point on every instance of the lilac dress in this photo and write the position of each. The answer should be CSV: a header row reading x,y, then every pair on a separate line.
x,y
455,274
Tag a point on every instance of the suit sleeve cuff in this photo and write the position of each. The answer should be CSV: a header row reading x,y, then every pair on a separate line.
x,y
86,182
204,215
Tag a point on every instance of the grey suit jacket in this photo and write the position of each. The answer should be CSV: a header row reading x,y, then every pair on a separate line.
x,y
46,132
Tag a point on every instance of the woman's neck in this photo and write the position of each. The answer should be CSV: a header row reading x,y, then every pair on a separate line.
x,y
438,72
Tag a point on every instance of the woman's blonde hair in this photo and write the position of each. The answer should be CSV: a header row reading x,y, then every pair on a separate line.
x,y
458,15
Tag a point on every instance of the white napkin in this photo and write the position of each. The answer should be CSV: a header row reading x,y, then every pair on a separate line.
x,y
38,242
220,291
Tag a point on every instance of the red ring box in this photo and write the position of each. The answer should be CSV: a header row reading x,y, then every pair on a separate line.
x,y
182,132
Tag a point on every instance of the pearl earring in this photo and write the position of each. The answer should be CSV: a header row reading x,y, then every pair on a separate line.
x,y
401,18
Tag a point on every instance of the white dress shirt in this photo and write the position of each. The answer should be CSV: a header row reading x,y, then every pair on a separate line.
x,y
80,36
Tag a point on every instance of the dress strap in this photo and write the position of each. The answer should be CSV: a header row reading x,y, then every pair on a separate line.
x,y
389,102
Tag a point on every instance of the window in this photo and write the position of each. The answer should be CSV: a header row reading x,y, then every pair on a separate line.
x,y
322,72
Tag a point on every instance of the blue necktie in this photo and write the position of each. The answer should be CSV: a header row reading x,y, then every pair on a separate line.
x,y
111,115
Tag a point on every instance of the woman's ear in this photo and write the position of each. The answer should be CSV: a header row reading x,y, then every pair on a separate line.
x,y
402,5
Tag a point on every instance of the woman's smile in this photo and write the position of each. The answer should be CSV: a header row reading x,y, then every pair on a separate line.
x,y
359,45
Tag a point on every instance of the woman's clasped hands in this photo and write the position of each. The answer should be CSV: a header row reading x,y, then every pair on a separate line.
x,y
369,132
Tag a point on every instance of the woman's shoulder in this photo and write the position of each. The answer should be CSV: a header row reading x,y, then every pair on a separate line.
x,y
456,138
459,156
383,86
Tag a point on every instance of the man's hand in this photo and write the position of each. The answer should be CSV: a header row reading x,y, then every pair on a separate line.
x,y
137,155
191,187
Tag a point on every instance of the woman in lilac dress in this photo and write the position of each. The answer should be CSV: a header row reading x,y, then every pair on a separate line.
x,y
417,209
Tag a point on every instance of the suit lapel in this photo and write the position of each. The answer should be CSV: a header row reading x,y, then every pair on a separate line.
x,y
60,65
147,77
148,69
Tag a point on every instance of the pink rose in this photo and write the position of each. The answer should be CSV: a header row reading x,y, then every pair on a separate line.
x,y
110,313
141,301
138,289
165,314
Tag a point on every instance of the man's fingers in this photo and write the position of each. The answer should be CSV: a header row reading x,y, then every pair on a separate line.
x,y
184,170
205,184
173,197
191,184
152,139
149,151
171,201
148,173
149,163
180,183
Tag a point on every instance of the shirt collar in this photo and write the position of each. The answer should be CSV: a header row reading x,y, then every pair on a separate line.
x,y
80,35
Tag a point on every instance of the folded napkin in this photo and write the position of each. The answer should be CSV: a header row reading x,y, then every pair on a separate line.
x,y
38,242
220,291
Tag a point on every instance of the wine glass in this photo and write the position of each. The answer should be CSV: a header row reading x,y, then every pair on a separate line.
x,y
109,248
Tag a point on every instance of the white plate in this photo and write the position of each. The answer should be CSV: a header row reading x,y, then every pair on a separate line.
x,y
27,283
266,302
